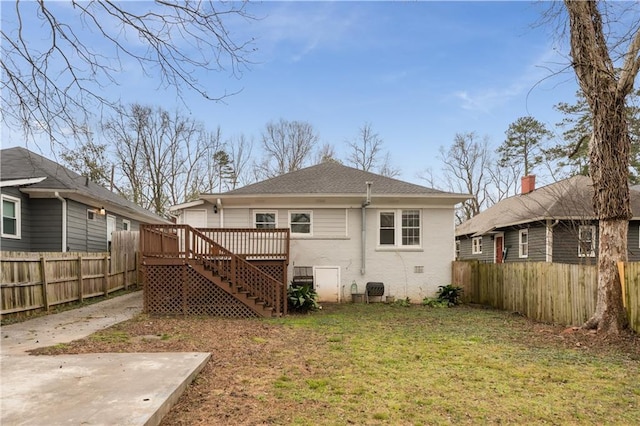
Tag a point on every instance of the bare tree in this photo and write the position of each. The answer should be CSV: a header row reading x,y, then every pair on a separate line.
x,y
208,177
388,170
162,158
466,163
366,149
53,80
606,91
287,146
505,181
327,152
240,150
89,158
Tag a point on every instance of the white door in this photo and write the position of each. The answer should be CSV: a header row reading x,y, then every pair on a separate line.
x,y
195,218
326,280
111,227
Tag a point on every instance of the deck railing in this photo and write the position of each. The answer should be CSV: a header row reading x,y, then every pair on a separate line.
x,y
254,244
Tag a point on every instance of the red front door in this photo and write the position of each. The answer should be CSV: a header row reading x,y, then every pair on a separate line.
x,y
499,248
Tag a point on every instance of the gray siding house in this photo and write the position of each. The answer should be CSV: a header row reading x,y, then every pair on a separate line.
x,y
47,207
554,223
347,226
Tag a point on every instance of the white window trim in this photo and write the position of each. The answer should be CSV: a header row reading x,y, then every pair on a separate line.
x,y
301,234
127,223
256,212
92,212
397,217
18,211
592,253
521,244
474,246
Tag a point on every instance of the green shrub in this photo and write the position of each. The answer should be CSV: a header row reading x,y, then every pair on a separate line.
x,y
403,302
450,294
302,299
434,303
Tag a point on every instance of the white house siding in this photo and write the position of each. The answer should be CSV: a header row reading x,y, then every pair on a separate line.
x,y
414,273
336,241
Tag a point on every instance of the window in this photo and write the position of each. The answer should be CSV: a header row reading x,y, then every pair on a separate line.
x,y
476,245
587,241
406,233
265,220
523,243
91,215
300,222
10,217
387,228
126,225
411,227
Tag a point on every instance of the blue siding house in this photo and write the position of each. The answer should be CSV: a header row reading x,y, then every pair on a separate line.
x,y
47,207
554,223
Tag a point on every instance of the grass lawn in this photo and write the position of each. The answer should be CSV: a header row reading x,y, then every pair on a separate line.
x,y
387,364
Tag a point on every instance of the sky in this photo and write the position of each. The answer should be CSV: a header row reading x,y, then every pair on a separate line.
x,y
417,72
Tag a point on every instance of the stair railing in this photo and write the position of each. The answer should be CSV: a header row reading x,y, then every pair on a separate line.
x,y
188,243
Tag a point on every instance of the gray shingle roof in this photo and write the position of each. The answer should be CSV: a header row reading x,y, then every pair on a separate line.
x,y
20,163
567,199
333,178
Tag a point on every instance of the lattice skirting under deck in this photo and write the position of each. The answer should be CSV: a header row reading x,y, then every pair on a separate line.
x,y
179,290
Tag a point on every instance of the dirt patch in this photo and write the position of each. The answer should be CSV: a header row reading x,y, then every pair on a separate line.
x,y
248,356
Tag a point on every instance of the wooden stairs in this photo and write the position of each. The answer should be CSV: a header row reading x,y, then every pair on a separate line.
x,y
187,273
235,289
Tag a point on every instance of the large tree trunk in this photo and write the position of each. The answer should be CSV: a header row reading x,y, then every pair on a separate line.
x,y
609,150
610,317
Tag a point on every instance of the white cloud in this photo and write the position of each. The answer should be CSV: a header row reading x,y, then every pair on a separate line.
x,y
528,78
304,27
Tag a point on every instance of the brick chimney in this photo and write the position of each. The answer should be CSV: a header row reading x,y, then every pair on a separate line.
x,y
528,184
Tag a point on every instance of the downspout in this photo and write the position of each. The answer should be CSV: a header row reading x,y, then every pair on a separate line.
x,y
221,210
64,221
549,239
364,229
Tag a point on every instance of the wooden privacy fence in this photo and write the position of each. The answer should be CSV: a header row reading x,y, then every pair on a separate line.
x,y
547,292
32,281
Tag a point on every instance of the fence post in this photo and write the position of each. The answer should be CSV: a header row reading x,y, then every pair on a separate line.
x,y
105,268
126,270
80,280
45,290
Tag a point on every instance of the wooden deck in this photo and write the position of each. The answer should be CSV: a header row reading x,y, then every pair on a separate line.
x,y
223,272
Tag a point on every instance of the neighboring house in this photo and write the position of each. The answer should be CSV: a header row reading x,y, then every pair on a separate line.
x,y
347,225
47,207
555,223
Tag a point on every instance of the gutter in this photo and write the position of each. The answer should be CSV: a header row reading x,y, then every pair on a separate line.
x,y
64,220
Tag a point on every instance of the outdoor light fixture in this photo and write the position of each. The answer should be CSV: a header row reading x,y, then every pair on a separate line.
x,y
102,211
215,208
